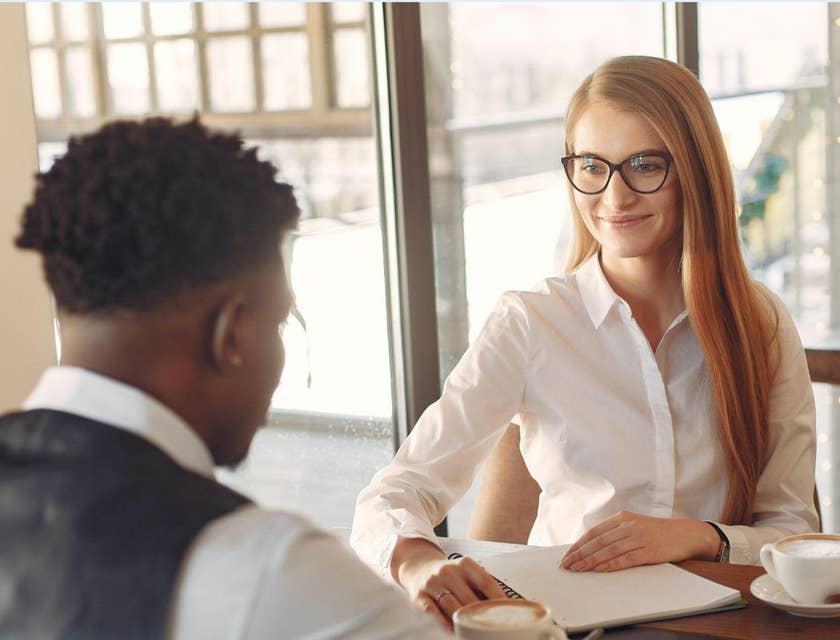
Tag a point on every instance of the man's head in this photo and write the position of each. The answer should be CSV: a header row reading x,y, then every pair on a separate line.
x,y
161,244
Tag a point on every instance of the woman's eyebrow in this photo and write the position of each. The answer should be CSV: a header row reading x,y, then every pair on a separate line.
x,y
635,153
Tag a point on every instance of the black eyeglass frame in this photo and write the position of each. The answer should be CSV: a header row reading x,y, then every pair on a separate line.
x,y
617,167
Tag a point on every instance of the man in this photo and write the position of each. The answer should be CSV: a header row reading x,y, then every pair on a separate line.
x,y
160,243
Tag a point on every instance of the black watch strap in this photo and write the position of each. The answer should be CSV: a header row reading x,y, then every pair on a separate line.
x,y
723,549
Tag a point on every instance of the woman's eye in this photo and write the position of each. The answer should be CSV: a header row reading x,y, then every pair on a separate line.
x,y
642,165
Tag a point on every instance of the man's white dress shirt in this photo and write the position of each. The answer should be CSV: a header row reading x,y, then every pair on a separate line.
x,y
252,573
607,425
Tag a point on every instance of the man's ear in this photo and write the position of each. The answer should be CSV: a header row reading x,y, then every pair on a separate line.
x,y
226,346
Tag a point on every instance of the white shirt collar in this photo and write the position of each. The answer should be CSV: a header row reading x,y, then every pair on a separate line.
x,y
597,294
90,395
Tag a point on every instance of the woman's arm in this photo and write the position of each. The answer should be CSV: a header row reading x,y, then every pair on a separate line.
x,y
784,501
438,461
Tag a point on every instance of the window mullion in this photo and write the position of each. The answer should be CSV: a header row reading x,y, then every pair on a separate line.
x,y
401,119
256,53
320,49
59,46
688,43
148,42
201,49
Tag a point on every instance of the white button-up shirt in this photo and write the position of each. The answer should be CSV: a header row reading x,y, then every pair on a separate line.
x,y
253,573
607,424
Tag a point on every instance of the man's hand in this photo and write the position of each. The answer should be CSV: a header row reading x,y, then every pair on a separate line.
x,y
629,539
437,585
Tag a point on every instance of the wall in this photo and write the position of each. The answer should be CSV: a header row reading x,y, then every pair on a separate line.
x,y
27,343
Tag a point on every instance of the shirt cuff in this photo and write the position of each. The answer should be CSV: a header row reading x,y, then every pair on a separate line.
x,y
388,552
740,550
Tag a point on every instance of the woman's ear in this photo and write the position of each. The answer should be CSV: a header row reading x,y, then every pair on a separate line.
x,y
227,339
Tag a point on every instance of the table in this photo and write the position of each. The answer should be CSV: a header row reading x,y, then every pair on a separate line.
x,y
756,621
822,349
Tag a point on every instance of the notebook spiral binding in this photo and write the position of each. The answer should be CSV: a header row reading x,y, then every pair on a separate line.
x,y
510,592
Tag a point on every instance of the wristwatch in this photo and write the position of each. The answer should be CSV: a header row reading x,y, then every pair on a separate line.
x,y
723,549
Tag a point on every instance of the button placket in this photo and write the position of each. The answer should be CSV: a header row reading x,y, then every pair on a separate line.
x,y
663,499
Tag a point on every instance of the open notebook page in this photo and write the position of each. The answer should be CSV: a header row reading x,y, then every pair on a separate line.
x,y
582,601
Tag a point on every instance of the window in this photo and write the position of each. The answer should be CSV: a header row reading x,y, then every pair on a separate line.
x,y
769,74
294,78
498,78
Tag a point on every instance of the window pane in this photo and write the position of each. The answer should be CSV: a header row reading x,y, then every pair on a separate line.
x,y
80,85
767,68
230,74
169,18
352,68
282,14
347,11
499,215
39,22
122,19
285,60
74,20
46,90
177,75
766,52
128,78
225,16
331,426
48,153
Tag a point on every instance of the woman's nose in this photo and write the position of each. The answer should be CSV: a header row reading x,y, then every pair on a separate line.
x,y
618,195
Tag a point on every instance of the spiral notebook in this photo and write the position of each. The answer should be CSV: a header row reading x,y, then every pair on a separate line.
x,y
584,601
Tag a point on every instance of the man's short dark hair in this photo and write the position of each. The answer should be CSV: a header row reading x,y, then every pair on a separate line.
x,y
140,211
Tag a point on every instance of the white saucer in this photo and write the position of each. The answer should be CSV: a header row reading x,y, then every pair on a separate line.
x,y
771,592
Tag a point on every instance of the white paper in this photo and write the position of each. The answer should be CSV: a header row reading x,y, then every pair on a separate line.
x,y
582,601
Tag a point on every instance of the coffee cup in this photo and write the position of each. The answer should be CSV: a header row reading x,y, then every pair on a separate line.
x,y
506,619
807,566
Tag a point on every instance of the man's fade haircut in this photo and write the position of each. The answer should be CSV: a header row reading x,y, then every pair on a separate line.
x,y
140,211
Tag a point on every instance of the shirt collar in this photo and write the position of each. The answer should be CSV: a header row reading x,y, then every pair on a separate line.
x,y
597,294
96,397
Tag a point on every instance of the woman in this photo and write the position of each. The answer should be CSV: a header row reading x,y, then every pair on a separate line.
x,y
664,400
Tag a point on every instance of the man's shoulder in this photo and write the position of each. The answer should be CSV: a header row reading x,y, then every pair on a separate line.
x,y
257,525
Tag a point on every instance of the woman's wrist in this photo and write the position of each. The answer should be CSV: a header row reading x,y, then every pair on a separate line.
x,y
709,541
409,553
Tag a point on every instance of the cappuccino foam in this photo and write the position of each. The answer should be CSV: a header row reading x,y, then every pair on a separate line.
x,y
813,548
505,616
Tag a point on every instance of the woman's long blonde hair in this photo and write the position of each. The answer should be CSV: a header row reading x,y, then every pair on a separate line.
x,y
731,316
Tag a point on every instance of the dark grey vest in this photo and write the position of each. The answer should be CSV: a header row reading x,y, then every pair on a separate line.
x,y
94,522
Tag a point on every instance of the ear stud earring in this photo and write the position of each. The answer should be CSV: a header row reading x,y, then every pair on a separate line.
x,y
236,361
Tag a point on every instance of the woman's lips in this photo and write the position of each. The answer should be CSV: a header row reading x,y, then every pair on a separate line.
x,y
623,222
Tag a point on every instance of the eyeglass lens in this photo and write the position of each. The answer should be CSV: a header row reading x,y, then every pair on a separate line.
x,y
641,173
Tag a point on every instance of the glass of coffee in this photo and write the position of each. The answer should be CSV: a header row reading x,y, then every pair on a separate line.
x,y
807,566
506,619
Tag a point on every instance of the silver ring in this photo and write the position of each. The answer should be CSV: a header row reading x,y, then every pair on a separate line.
x,y
441,594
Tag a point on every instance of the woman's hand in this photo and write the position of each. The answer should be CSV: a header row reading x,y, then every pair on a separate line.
x,y
437,585
630,539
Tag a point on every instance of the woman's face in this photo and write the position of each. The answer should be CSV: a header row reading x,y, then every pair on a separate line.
x,y
625,223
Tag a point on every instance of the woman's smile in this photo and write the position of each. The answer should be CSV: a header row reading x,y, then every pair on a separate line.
x,y
622,222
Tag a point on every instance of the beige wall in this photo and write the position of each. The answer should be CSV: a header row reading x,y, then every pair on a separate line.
x,y
27,344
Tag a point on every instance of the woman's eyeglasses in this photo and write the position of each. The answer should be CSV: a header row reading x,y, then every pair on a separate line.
x,y
643,172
